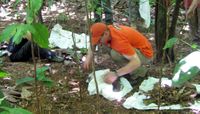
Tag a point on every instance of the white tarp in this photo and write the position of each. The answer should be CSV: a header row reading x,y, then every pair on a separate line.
x,y
136,100
185,71
105,89
144,10
63,39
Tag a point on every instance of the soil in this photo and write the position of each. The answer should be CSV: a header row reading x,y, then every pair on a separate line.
x,y
69,93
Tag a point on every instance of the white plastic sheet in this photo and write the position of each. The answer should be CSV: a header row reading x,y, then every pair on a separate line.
x,y
106,90
63,38
190,61
144,10
136,100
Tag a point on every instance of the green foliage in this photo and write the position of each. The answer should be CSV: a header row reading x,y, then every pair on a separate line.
x,y
24,80
194,46
170,43
41,76
62,17
8,32
92,6
3,74
1,99
185,76
83,50
41,35
40,73
3,102
35,5
178,66
8,110
39,32
32,10
16,3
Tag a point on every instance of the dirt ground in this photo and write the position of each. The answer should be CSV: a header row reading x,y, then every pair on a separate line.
x,y
69,93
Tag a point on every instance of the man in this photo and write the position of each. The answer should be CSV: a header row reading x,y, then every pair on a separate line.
x,y
129,48
22,52
193,16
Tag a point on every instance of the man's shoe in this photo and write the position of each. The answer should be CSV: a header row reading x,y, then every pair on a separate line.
x,y
57,59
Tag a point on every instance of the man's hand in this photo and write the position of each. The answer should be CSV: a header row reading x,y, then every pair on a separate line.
x,y
189,14
86,64
88,60
110,77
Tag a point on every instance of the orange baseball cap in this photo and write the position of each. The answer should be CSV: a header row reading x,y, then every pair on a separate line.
x,y
97,30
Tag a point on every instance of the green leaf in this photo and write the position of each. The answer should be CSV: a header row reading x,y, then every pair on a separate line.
x,y
21,31
41,76
29,16
35,5
47,82
170,43
8,32
16,110
5,112
41,35
4,102
40,71
194,46
1,99
24,80
3,74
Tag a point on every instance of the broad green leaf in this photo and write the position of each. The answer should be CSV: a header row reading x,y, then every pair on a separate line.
x,y
5,112
41,71
16,110
21,31
3,74
41,76
41,35
8,32
24,80
35,5
47,82
170,43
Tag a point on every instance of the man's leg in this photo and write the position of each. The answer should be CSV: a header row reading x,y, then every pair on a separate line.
x,y
23,54
48,54
193,25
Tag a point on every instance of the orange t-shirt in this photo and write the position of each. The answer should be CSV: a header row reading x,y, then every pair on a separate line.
x,y
124,39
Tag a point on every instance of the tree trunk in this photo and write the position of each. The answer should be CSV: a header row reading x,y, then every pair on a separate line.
x,y
172,29
160,29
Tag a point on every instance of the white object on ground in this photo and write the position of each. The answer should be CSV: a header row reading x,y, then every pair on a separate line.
x,y
105,89
144,10
63,38
136,100
191,60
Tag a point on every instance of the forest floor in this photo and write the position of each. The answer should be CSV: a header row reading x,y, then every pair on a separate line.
x,y
69,93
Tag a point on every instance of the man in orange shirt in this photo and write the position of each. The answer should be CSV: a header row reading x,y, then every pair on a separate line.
x,y
129,48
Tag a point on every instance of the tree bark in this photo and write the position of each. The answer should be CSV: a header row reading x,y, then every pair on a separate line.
x,y
172,29
160,29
